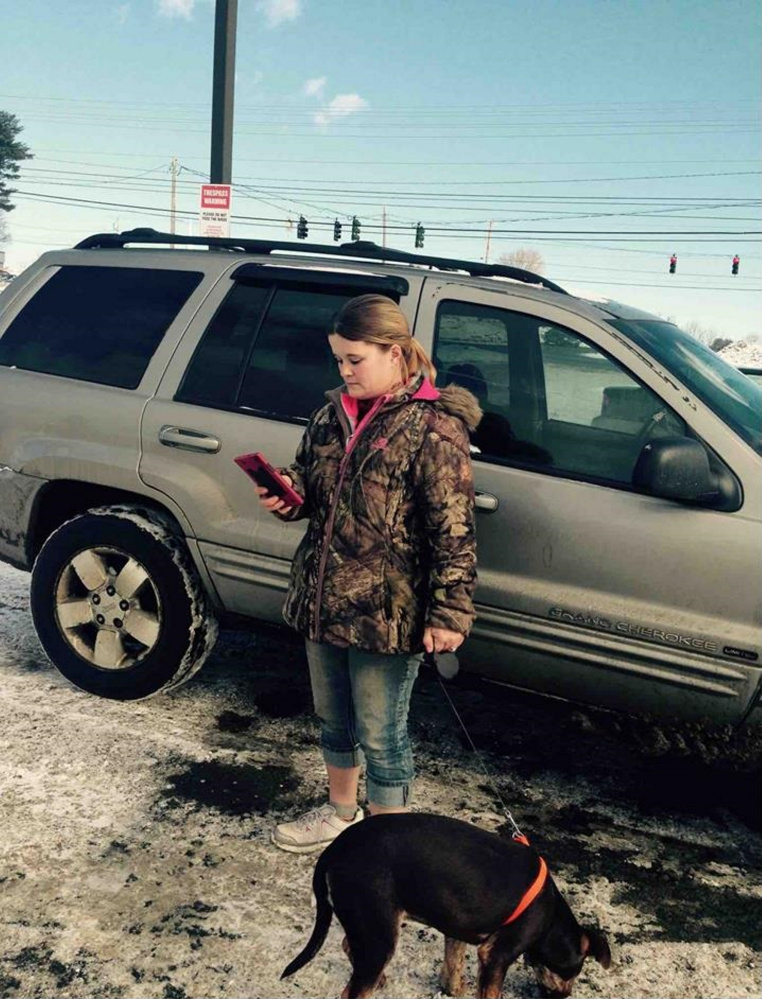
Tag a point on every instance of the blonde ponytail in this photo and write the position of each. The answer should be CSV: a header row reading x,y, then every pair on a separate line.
x,y
415,359
377,319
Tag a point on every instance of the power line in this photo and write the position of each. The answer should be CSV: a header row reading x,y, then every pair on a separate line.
x,y
314,134
672,287
502,183
420,122
544,235
376,162
265,194
633,270
539,107
412,201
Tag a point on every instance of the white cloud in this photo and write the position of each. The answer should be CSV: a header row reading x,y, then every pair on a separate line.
x,y
122,13
341,106
279,11
176,8
315,87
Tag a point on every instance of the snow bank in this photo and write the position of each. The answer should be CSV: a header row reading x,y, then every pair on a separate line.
x,y
742,354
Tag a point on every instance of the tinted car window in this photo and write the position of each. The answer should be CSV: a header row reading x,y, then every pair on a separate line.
x,y
97,324
550,399
598,416
472,351
291,365
489,352
214,374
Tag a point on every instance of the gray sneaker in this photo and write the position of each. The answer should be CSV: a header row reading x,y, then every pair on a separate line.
x,y
313,830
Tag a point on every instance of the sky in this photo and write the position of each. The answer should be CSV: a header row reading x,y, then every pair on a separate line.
x,y
603,135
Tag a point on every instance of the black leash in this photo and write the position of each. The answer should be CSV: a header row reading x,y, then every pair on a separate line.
x,y
447,667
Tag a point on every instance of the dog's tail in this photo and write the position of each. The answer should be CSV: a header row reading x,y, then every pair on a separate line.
x,y
322,919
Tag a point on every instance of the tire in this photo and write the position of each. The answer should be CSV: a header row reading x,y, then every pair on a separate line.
x,y
118,605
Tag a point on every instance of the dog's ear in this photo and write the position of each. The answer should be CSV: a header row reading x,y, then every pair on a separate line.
x,y
594,944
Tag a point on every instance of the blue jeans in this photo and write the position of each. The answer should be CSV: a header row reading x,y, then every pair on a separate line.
x,y
362,700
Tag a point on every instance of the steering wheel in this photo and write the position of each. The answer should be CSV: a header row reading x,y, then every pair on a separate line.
x,y
644,436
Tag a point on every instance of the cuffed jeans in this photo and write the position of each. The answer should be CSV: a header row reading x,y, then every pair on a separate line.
x,y
362,700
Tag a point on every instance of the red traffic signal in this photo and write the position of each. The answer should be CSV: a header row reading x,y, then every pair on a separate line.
x,y
736,262
673,263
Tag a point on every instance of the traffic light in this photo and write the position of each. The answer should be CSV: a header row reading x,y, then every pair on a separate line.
x,y
673,263
302,229
355,228
736,262
336,231
419,231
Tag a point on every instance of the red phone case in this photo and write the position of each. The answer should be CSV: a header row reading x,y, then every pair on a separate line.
x,y
262,472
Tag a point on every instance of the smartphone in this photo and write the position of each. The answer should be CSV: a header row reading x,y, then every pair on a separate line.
x,y
262,472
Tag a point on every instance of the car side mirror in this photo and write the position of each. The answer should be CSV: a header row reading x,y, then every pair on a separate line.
x,y
676,468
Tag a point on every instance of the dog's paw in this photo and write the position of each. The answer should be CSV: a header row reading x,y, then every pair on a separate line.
x,y
452,986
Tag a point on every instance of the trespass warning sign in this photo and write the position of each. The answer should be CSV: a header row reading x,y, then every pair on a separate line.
x,y
214,214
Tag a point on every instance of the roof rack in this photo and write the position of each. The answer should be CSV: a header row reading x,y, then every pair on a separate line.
x,y
362,249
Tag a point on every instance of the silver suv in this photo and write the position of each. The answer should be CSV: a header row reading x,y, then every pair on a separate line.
x,y
618,466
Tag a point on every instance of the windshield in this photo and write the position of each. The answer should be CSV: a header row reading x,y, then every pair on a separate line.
x,y
734,397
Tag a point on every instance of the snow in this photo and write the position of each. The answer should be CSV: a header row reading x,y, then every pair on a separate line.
x,y
743,354
135,860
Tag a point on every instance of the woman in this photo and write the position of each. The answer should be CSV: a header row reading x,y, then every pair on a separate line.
x,y
387,567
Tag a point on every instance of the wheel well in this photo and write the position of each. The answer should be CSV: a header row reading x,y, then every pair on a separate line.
x,y
61,500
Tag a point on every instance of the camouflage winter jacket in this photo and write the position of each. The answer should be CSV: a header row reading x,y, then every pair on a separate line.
x,y
390,546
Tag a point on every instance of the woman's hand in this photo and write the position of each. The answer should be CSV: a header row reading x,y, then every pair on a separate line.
x,y
273,503
441,640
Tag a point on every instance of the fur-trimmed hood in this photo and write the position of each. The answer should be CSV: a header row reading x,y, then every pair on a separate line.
x,y
457,401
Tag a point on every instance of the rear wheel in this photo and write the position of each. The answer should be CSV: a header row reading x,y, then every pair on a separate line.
x,y
118,605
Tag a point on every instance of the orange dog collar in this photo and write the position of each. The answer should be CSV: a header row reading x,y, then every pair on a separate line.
x,y
534,889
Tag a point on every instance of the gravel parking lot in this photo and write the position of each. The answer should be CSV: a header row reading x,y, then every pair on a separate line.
x,y
135,859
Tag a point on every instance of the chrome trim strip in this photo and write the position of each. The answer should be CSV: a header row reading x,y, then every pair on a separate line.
x,y
627,655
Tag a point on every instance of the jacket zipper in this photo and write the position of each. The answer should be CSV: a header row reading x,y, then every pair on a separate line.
x,y
349,448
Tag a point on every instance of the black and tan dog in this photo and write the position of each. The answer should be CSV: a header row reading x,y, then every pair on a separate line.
x,y
472,885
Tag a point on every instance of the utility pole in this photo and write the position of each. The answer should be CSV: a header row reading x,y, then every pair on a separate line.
x,y
486,249
173,170
383,228
225,18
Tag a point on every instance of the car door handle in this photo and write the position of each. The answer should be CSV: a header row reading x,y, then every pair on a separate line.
x,y
486,502
189,440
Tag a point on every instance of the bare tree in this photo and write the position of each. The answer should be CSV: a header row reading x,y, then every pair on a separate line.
x,y
527,259
702,333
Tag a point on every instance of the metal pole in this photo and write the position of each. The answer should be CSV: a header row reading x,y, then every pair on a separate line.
x,y
486,249
173,196
225,18
383,240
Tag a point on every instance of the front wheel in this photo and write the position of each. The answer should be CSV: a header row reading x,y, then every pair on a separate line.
x,y
118,605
